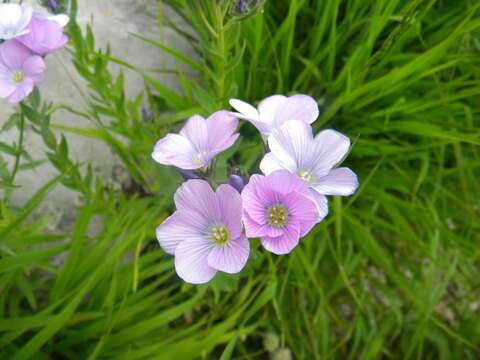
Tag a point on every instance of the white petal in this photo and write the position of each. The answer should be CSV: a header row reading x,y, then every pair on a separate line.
x,y
298,107
271,163
268,108
330,147
60,19
247,110
341,181
195,130
291,144
176,150
191,261
321,202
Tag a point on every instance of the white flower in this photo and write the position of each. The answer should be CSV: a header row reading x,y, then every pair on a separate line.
x,y
293,148
14,20
275,110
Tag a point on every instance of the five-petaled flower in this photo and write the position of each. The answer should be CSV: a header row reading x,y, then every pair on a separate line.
x,y
275,110
279,210
198,142
20,71
205,233
294,148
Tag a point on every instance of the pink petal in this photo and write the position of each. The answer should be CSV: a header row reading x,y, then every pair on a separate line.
x,y
22,91
230,206
284,182
252,228
230,258
195,130
182,225
175,150
283,244
302,210
34,67
245,109
221,127
298,107
191,261
291,145
330,147
341,181
197,195
6,87
13,54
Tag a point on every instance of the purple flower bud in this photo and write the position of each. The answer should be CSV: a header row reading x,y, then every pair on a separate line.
x,y
53,5
188,174
236,182
240,6
147,114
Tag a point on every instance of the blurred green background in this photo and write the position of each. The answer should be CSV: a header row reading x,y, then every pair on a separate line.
x,y
392,273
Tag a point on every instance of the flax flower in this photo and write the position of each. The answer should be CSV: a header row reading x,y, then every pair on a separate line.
x,y
14,20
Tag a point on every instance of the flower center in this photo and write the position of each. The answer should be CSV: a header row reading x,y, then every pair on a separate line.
x,y
277,216
198,158
305,175
17,77
219,234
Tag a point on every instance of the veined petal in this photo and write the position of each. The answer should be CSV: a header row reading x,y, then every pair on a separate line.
x,y
283,244
197,195
13,54
269,108
298,107
302,210
245,109
321,203
271,163
330,147
181,225
221,127
230,206
195,130
230,258
341,181
284,182
175,150
291,144
191,260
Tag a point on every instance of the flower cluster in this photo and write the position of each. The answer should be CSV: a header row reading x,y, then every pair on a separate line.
x,y
210,229
26,38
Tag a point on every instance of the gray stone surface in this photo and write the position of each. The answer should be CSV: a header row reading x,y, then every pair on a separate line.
x,y
112,21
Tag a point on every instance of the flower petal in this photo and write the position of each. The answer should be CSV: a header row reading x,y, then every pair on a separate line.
x,y
284,182
191,260
330,147
291,144
341,181
22,91
245,109
269,108
195,130
221,127
181,225
6,87
34,67
230,206
283,244
176,150
197,195
230,258
271,163
13,54
302,210
321,203
298,107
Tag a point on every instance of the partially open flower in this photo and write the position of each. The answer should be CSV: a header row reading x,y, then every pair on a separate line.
x,y
279,210
205,233
20,71
275,110
198,142
14,20
45,35
294,148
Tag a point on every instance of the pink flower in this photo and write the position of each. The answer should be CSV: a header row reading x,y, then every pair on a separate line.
x,y
20,71
198,142
205,233
294,148
278,209
277,109
45,35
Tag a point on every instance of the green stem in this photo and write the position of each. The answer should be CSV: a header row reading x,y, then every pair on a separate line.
x,y
19,149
